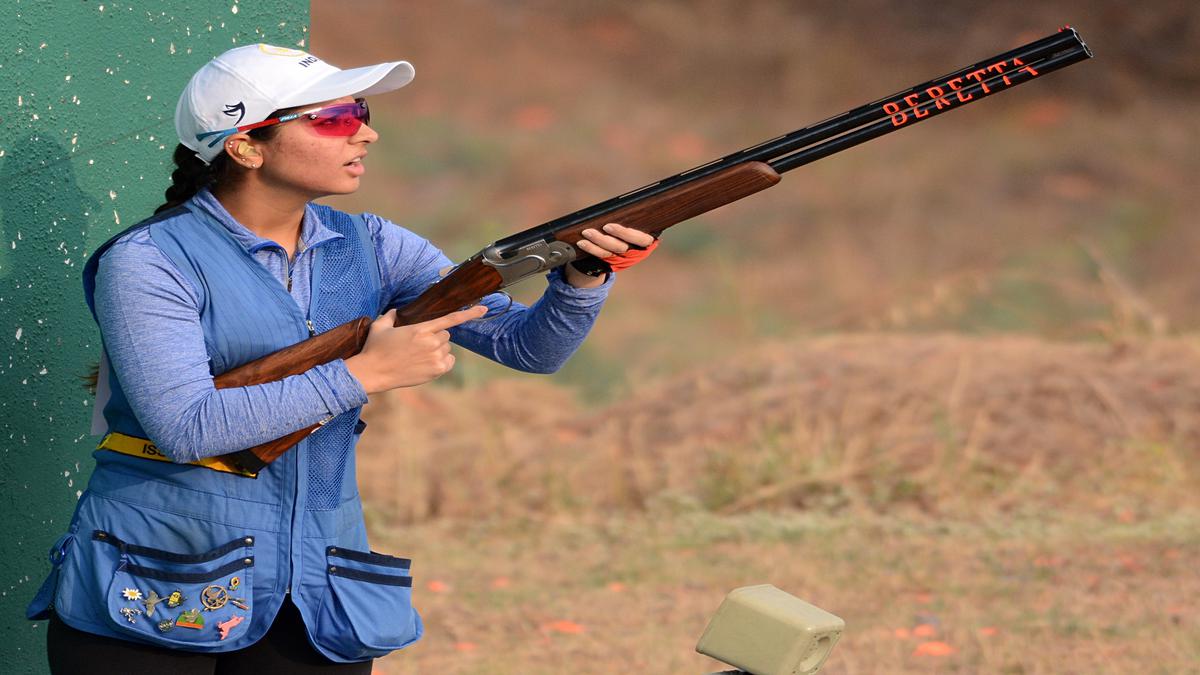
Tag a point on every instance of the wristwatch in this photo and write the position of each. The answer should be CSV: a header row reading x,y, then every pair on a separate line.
x,y
592,266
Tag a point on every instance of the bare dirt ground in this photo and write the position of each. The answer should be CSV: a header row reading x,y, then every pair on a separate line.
x,y
1037,592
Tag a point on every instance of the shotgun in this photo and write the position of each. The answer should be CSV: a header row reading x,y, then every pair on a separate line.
x,y
657,206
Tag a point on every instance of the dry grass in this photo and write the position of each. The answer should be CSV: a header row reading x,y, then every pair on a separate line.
x,y
941,424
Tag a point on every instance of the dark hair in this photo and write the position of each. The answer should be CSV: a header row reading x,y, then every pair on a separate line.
x,y
191,174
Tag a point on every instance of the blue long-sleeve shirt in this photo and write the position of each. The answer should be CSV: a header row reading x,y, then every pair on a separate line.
x,y
149,317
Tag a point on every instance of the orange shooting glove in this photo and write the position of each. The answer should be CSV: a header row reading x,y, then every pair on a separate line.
x,y
633,256
594,267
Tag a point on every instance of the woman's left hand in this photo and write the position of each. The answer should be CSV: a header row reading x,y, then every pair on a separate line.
x,y
618,245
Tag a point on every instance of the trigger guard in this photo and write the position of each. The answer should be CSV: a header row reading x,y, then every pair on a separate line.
x,y
497,314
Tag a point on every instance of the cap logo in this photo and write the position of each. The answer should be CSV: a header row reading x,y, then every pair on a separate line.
x,y
280,51
238,109
308,61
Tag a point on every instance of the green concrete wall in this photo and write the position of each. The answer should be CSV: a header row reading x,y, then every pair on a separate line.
x,y
86,136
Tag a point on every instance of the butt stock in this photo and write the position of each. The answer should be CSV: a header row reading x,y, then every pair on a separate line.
x,y
341,342
659,205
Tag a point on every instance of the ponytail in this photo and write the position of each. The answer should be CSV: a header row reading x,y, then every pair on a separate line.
x,y
190,176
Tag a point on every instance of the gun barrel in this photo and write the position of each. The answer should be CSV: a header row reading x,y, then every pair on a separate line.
x,y
1066,39
942,100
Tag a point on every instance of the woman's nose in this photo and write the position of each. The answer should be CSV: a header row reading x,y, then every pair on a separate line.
x,y
366,133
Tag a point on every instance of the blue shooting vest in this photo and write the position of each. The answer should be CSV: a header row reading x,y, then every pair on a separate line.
x,y
171,554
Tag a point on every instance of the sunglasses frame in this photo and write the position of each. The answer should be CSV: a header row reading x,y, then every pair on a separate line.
x,y
218,136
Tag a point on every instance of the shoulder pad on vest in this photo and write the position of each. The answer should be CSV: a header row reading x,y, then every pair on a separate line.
x,y
93,261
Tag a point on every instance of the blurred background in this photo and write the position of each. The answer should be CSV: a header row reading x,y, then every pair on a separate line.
x,y
943,385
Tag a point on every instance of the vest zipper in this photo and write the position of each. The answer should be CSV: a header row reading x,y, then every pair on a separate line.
x,y
296,487
290,266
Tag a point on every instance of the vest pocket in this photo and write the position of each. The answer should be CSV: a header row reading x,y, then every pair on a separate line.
x,y
181,599
367,611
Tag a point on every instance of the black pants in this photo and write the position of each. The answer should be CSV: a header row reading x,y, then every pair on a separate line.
x,y
284,649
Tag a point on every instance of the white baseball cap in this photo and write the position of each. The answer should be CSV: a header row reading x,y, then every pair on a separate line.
x,y
246,84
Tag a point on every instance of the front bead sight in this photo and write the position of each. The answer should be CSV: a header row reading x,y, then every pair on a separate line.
x,y
517,262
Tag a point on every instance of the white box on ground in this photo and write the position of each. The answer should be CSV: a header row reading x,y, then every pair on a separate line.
x,y
765,631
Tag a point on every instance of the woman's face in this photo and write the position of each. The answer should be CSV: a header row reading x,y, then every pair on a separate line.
x,y
298,159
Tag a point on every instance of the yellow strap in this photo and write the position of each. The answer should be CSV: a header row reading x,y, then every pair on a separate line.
x,y
144,448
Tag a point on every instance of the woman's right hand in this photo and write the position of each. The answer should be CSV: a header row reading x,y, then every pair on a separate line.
x,y
405,356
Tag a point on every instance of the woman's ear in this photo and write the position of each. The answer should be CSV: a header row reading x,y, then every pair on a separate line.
x,y
243,152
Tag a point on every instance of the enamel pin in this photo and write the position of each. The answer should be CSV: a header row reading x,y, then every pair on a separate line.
x,y
190,619
214,597
226,626
151,601
131,594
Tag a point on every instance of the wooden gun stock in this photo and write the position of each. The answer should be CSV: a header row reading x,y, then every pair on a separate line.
x,y
657,213
341,342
